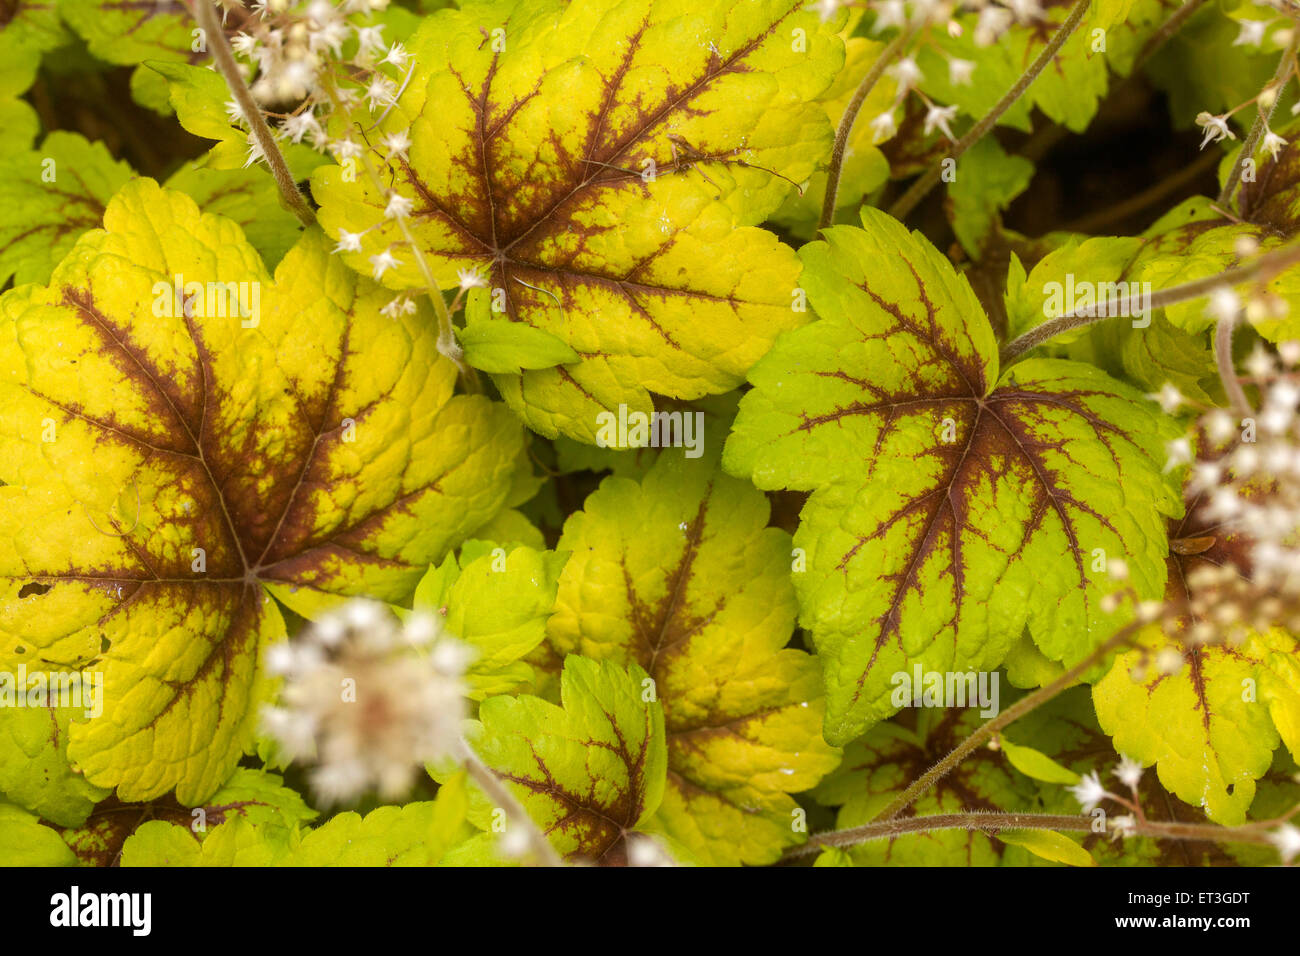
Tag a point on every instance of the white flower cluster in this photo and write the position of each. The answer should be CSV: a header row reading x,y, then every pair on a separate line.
x,y
368,699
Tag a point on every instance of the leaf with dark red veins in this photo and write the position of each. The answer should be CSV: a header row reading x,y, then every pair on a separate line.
x,y
589,771
1211,729
679,573
604,165
952,506
165,466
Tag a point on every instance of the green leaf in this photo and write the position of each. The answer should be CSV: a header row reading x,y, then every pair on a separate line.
x,y
588,771
48,198
1210,729
203,456
986,182
251,198
498,605
25,842
1037,765
1049,845
34,770
1067,91
865,167
679,574
531,158
31,28
498,345
952,505
129,32
199,98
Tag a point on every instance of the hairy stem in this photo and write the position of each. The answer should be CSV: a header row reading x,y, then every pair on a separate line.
x,y
1166,31
501,796
1262,117
1227,368
997,822
836,168
921,188
205,13
1263,268
1017,710
447,344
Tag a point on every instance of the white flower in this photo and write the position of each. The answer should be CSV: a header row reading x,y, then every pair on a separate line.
x,y
1179,453
1123,827
646,851
345,149
255,151
1272,144
471,279
1216,128
940,117
890,13
1224,305
398,143
1252,33
399,207
1169,398
365,704
349,241
1259,363
1025,10
369,40
244,44
381,92
383,262
883,127
396,55
1287,840
993,22
402,305
1129,772
960,71
1089,791
905,73
235,112
296,127
825,8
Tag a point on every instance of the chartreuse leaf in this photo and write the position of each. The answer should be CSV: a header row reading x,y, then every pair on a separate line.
x,y
865,167
417,834
251,198
1050,845
1212,727
1037,765
128,32
952,504
498,604
679,574
588,771
881,763
165,465
987,180
499,345
605,163
24,841
1067,91
48,197
28,30
34,770
199,96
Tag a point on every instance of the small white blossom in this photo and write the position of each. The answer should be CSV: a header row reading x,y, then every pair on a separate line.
x,y
890,13
1272,144
1169,398
399,206
1129,772
1224,305
1089,791
382,262
398,143
883,127
1216,128
348,241
471,279
960,71
905,73
1252,33
939,117
1287,840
